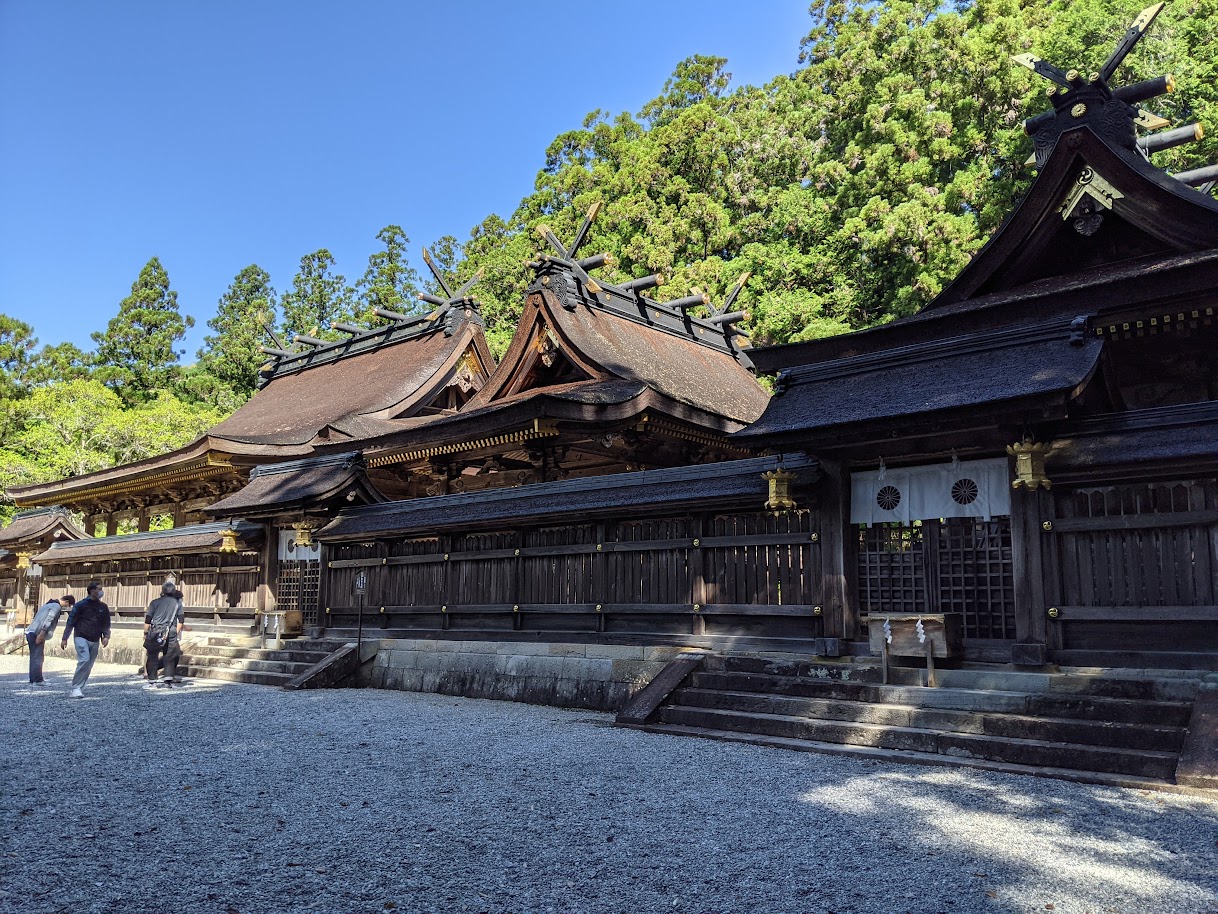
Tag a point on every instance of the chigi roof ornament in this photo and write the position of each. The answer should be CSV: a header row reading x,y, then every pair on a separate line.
x,y
1113,115
1087,99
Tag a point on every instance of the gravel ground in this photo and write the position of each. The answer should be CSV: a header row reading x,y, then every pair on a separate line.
x,y
243,799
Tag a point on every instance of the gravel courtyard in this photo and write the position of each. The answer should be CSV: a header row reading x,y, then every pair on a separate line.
x,y
242,799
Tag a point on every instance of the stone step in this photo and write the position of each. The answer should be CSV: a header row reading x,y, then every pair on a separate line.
x,y
245,663
1116,710
1050,729
1136,762
1139,684
231,675
286,654
924,758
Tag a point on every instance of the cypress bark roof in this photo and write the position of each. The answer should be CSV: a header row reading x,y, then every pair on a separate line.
x,y
372,386
197,538
708,485
1032,366
299,484
31,527
1173,433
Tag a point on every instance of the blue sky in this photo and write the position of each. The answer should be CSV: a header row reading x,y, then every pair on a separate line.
x,y
221,133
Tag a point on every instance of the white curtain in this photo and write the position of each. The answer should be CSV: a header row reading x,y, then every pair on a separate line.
x,y
968,488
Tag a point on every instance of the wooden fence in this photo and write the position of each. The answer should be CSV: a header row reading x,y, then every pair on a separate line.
x,y
712,576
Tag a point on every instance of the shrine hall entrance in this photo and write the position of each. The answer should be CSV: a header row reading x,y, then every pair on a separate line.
x,y
951,565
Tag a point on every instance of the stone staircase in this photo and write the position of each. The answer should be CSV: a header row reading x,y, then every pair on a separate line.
x,y
242,660
1119,727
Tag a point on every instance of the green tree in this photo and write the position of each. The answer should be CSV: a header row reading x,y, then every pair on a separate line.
x,y
61,362
231,355
17,342
390,281
135,355
318,298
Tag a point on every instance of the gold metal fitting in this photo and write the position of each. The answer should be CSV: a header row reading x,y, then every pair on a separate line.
x,y
1078,110
327,610
444,608
1072,75
599,607
780,489
599,547
446,556
815,537
697,607
382,610
1054,612
515,607
816,610
517,552
1052,91
1047,526
1093,78
697,542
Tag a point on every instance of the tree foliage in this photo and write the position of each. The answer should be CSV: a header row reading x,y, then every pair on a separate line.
x,y
231,355
135,354
390,282
318,298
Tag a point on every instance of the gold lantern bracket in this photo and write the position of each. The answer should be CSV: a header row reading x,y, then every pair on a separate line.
x,y
1029,465
228,540
780,489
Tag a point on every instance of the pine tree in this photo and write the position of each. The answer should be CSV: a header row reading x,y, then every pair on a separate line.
x,y
245,310
135,355
318,298
390,281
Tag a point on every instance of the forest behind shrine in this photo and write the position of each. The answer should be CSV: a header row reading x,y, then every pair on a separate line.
x,y
851,191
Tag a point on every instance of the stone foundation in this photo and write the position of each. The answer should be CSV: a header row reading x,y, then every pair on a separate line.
x,y
600,677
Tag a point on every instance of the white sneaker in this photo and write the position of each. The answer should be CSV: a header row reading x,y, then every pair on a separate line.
x,y
76,693
151,685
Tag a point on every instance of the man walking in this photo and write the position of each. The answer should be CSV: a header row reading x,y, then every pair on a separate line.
x,y
90,620
162,627
41,629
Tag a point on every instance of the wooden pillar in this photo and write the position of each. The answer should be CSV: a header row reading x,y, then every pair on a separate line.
x,y
111,524
179,514
838,600
142,520
1028,542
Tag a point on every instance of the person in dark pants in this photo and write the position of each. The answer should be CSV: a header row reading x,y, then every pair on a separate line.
x,y
162,629
90,620
41,629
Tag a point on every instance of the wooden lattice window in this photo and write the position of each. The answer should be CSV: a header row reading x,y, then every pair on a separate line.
x,y
298,588
976,575
891,569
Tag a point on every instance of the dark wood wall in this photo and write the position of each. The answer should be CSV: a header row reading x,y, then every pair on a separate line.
x,y
219,585
1132,566
707,575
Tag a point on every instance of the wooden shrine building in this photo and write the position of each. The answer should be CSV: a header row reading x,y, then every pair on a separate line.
x,y
1037,450
1035,453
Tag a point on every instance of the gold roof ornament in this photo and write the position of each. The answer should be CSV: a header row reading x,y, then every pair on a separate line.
x,y
23,559
780,489
228,540
1029,465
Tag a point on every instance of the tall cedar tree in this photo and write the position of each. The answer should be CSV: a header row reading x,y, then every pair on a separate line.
x,y
318,298
135,355
247,307
390,281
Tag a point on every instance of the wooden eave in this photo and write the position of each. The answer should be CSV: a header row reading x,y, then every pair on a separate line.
x,y
194,462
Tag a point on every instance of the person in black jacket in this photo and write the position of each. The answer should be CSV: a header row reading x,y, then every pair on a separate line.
x,y
90,620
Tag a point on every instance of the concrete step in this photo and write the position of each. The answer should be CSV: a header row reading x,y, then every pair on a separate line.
x,y
231,675
1116,710
1013,725
1031,752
